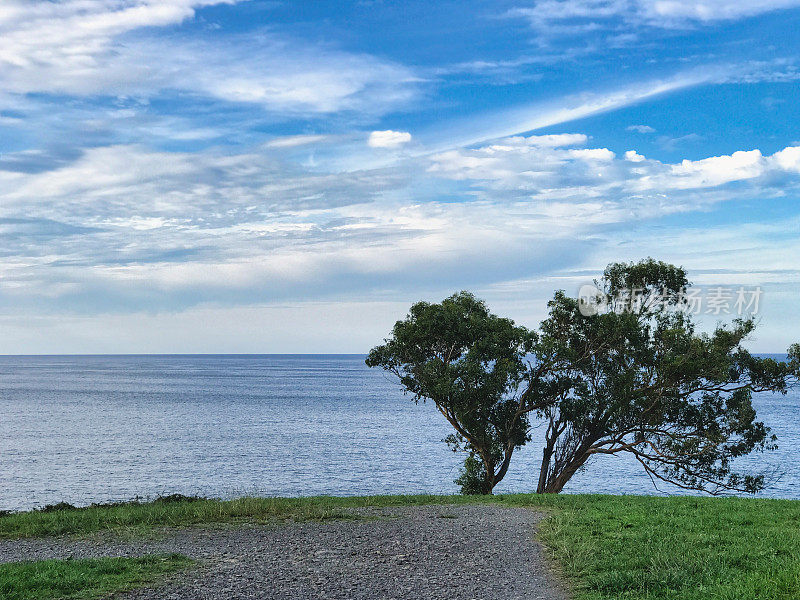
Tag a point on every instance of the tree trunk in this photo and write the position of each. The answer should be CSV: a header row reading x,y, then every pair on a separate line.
x,y
492,478
547,454
555,484
504,466
488,467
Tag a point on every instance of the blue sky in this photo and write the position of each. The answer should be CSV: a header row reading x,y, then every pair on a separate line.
x,y
258,176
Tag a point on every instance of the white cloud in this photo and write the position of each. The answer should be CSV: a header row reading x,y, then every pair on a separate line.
x,y
113,48
558,17
122,228
388,139
757,254
716,170
519,168
292,141
290,78
500,124
558,140
633,156
75,36
788,159
593,154
709,10
640,128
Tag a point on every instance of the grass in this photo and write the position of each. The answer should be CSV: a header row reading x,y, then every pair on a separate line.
x,y
607,547
138,517
641,548
83,579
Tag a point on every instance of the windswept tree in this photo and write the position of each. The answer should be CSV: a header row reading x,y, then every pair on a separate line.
x,y
471,364
637,378
633,377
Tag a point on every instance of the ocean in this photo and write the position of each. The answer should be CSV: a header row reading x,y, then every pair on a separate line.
x,y
85,429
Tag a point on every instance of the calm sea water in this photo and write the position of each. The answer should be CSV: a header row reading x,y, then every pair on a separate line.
x,y
100,428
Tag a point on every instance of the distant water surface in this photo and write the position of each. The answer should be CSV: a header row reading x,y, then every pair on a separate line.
x,y
99,428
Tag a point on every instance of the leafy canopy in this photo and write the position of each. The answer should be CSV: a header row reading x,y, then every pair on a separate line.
x,y
633,377
638,378
470,363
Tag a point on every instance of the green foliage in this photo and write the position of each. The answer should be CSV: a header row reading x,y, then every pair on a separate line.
x,y
635,378
638,378
470,363
472,477
84,578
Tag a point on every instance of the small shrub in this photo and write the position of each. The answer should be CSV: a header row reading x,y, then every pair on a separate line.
x,y
177,498
49,508
473,479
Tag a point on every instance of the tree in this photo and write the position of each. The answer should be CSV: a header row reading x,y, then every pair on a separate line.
x,y
637,378
471,364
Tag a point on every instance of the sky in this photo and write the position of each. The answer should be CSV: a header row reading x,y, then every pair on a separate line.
x,y
255,176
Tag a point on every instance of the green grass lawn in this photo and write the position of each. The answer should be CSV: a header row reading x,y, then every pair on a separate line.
x,y
83,579
676,548
606,547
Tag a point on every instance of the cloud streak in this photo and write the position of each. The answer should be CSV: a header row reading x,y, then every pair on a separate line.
x,y
538,115
113,48
578,16
130,229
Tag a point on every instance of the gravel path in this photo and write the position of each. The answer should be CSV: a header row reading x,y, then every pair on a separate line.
x,y
425,552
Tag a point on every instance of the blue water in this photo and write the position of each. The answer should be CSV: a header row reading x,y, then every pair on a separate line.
x,y
101,428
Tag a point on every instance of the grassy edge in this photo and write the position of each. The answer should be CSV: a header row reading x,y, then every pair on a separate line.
x,y
86,578
138,517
